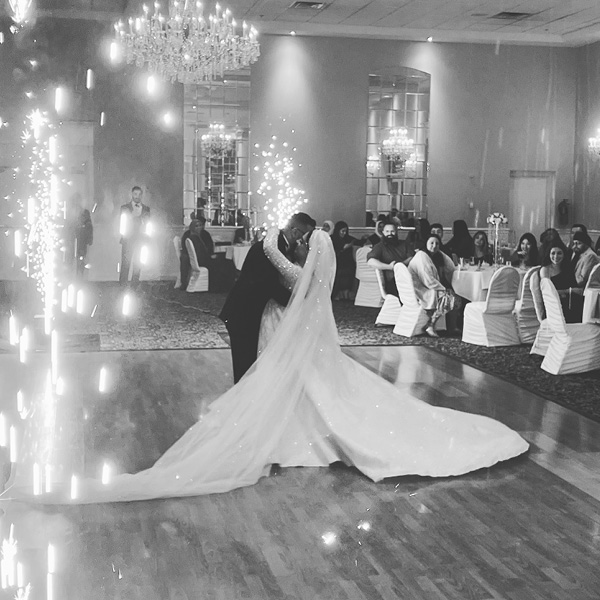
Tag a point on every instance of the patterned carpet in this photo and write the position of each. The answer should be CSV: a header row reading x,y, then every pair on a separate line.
x,y
167,318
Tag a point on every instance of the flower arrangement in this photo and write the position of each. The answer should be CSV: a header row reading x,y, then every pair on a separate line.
x,y
496,219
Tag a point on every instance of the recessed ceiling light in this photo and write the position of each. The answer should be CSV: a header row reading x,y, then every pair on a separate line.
x,y
292,33
430,39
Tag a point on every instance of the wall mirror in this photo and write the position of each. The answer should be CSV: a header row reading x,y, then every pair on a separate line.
x,y
216,130
397,142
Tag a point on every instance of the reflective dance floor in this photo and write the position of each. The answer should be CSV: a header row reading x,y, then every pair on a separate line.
x,y
526,529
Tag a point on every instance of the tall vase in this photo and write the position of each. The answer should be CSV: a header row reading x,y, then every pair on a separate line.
x,y
497,253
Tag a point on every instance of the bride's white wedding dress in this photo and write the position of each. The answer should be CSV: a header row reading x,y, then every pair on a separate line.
x,y
305,403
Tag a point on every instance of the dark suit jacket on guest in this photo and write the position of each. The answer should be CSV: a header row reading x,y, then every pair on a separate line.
x,y
242,312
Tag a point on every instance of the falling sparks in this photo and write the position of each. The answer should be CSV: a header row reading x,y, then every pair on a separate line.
x,y
281,197
102,380
21,11
329,538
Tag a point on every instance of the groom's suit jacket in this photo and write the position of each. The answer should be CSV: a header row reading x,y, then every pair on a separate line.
x,y
257,284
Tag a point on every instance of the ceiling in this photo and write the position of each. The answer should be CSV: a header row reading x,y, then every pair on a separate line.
x,y
544,22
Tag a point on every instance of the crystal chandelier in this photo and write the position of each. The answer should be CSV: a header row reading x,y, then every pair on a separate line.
x,y
216,141
594,145
184,46
398,147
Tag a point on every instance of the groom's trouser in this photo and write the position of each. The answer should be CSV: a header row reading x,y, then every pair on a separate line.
x,y
244,349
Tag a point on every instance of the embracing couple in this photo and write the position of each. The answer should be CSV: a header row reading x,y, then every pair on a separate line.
x,y
302,402
260,286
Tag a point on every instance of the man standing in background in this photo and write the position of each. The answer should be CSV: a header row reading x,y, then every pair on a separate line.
x,y
132,227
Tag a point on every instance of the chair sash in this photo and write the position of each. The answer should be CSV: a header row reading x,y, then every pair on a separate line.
x,y
381,283
503,290
177,244
556,319
363,270
594,279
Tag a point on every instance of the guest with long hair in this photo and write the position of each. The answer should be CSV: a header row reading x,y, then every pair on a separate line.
x,y
482,249
461,243
547,239
526,254
557,268
343,243
416,240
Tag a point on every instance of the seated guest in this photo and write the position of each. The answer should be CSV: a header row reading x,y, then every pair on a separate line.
x,y
482,251
431,271
375,238
369,220
547,239
438,229
386,254
243,234
461,243
584,258
575,228
203,245
557,268
415,240
526,254
343,243
328,227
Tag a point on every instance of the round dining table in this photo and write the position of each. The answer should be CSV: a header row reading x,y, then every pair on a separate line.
x,y
473,283
238,254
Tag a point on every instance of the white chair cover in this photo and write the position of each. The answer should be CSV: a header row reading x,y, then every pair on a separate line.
x,y
527,321
492,323
177,244
591,297
544,334
368,293
413,318
198,275
390,311
574,347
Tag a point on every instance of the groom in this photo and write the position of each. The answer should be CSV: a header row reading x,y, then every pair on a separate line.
x,y
257,284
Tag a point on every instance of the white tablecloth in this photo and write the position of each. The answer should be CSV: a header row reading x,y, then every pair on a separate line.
x,y
237,254
473,284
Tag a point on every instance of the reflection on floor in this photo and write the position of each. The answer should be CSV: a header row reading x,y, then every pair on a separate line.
x,y
526,529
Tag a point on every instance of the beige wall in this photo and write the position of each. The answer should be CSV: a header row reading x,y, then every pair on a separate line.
x,y
492,110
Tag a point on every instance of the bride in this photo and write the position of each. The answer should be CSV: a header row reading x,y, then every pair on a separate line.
x,y
305,403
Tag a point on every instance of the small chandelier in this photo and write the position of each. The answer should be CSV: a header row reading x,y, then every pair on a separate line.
x,y
398,147
216,141
594,145
184,46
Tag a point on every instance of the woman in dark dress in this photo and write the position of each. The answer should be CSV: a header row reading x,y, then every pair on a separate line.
x,y
461,244
559,270
346,265
482,251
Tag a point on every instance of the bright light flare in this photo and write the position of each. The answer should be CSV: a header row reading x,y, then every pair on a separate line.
x,y
89,79
329,538
105,474
13,330
102,119
21,10
149,229
74,489
127,305
37,480
52,149
123,224
80,303
18,240
364,525
114,53
144,255
54,356
151,85
103,380
168,119
60,99
3,436
52,557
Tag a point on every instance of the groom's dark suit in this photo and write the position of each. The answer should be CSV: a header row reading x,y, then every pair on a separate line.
x,y
257,284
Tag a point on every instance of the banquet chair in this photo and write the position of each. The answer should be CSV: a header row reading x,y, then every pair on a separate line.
x,y
177,244
198,275
591,297
544,334
492,322
413,318
574,347
388,315
527,321
368,293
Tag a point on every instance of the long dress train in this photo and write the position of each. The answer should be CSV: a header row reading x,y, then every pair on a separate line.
x,y
306,403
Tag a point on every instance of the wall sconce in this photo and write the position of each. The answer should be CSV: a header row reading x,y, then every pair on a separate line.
x,y
594,145
373,164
